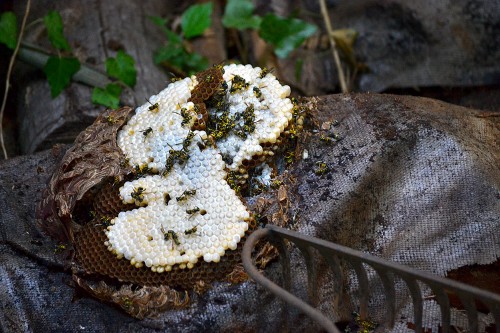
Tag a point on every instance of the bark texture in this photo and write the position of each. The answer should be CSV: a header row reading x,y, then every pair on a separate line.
x,y
96,30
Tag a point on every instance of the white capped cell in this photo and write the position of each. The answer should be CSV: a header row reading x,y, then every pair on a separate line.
x,y
156,234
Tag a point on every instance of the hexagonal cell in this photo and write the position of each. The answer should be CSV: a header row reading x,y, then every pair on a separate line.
x,y
199,231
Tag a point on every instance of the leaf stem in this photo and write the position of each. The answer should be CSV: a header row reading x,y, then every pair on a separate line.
x,y
37,57
32,23
9,72
329,30
239,46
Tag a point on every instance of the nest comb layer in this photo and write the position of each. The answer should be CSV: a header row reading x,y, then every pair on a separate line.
x,y
91,251
95,259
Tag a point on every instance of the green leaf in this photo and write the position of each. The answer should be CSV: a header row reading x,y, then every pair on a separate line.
x,y
53,23
122,68
8,29
195,62
238,14
196,19
170,53
109,96
59,72
171,36
176,56
159,21
286,34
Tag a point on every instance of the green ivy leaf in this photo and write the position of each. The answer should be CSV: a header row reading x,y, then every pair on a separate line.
x,y
8,29
170,53
109,96
59,72
54,25
196,19
195,62
172,37
122,68
286,34
176,56
238,14
159,21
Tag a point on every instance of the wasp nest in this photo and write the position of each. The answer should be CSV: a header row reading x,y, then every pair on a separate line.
x,y
260,108
191,212
151,201
247,110
185,210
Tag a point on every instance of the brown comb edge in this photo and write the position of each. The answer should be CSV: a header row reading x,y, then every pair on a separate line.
x,y
183,278
107,202
95,259
209,82
94,149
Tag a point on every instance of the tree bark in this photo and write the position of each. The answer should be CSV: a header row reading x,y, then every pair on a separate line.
x,y
96,30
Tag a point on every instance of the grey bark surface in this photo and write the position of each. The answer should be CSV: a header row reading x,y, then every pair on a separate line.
x,y
404,44
413,180
96,30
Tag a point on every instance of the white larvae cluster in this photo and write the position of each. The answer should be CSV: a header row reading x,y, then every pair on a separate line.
x,y
263,174
157,126
187,210
271,107
191,213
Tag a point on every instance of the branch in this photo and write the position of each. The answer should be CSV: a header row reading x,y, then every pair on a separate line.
x,y
9,72
329,30
37,57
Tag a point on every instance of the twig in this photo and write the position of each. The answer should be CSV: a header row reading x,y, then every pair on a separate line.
x,y
37,57
326,18
9,72
239,46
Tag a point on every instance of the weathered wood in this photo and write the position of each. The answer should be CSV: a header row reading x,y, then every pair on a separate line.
x,y
96,30
403,44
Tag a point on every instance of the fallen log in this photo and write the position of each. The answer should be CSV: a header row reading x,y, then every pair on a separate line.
x,y
413,180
